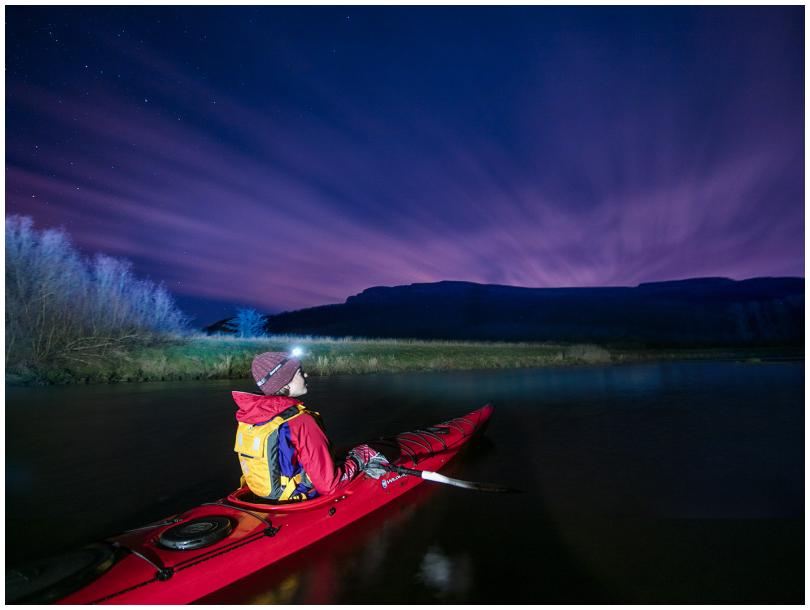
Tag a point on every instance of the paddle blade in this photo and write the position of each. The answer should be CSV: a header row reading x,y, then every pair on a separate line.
x,y
474,485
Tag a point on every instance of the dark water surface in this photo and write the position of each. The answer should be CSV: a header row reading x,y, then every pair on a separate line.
x,y
677,482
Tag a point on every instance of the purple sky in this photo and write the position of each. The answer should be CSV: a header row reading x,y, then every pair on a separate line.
x,y
284,158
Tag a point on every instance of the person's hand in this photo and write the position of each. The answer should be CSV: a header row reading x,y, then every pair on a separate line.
x,y
369,460
363,454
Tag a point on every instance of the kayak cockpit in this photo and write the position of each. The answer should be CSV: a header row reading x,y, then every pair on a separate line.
x,y
245,498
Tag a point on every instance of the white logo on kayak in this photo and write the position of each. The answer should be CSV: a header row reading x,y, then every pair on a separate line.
x,y
386,482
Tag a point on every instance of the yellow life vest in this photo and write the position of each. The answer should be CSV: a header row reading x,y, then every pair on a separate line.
x,y
266,457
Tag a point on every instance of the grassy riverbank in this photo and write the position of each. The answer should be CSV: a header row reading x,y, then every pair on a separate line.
x,y
203,357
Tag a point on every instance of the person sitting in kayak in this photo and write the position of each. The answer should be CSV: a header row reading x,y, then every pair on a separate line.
x,y
283,450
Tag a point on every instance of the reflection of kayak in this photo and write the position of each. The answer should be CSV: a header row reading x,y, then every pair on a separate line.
x,y
195,553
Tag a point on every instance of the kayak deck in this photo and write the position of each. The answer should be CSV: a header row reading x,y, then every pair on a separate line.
x,y
259,533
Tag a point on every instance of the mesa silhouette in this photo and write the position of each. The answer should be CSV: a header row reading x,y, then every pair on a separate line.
x,y
702,312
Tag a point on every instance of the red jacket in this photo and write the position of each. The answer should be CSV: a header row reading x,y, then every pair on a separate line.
x,y
311,444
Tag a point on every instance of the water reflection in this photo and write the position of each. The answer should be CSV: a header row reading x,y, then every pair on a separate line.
x,y
449,576
284,593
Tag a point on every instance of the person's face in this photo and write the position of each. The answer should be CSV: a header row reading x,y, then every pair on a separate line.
x,y
298,385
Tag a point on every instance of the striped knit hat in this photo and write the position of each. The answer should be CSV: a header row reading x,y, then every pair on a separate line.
x,y
273,370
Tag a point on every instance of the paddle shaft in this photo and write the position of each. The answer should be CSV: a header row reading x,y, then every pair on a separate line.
x,y
427,475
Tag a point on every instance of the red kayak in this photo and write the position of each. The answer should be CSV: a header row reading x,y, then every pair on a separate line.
x,y
202,550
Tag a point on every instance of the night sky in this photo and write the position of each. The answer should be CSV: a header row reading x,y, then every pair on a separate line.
x,y
281,158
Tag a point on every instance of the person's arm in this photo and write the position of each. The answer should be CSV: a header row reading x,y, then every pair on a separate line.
x,y
316,458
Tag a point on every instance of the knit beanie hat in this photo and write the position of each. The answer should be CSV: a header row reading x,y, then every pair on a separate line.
x,y
273,370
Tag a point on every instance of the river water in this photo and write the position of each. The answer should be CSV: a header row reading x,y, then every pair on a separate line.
x,y
659,483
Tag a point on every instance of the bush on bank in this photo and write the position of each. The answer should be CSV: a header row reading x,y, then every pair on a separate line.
x,y
66,311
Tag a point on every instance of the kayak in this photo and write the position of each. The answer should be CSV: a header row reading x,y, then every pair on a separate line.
x,y
200,551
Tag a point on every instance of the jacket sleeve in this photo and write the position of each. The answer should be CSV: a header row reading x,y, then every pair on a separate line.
x,y
315,456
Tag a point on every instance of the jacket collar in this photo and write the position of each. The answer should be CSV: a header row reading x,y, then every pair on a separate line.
x,y
258,408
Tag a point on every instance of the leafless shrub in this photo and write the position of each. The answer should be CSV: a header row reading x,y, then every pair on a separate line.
x,y
63,308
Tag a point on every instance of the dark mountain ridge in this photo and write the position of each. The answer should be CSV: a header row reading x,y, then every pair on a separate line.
x,y
692,312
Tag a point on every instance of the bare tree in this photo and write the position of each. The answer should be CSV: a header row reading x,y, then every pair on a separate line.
x,y
249,323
